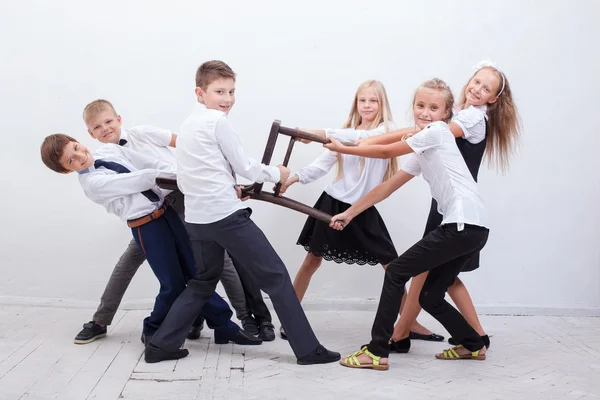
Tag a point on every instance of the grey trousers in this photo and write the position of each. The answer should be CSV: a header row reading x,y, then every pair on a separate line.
x,y
245,297
254,254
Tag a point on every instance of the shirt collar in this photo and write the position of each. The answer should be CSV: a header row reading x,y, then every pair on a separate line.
x,y
87,170
124,135
200,107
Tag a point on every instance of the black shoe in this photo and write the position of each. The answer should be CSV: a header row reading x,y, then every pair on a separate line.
x,y
485,338
250,325
430,338
240,337
401,346
90,332
282,333
267,332
319,356
154,354
194,332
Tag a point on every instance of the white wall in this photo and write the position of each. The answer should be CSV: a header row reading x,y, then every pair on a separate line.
x,y
301,64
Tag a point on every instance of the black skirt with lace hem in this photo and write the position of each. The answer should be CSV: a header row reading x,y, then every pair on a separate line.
x,y
365,240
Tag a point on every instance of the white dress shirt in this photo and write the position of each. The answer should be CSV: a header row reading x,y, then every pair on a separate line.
x,y
443,167
121,194
209,154
355,181
472,121
152,141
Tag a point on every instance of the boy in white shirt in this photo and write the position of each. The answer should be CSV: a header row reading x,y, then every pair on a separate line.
x,y
209,154
104,124
124,182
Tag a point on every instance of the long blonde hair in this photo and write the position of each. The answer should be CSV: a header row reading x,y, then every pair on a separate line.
x,y
384,116
504,123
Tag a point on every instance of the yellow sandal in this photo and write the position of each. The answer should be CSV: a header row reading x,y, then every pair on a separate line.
x,y
351,361
452,354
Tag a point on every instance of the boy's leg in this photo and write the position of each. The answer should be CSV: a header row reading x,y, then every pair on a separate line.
x,y
159,245
247,244
209,264
119,280
216,310
234,289
254,299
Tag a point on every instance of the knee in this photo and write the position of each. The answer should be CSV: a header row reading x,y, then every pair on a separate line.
x,y
430,301
311,264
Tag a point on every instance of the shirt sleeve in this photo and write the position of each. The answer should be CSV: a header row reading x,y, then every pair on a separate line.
x,y
142,161
318,168
352,135
472,123
232,149
152,135
105,187
427,138
412,166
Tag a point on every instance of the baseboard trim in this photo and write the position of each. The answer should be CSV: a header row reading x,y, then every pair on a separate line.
x,y
340,304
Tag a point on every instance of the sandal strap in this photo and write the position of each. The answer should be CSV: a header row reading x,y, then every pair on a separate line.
x,y
352,359
452,353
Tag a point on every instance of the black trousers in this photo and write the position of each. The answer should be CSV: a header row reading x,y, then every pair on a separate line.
x,y
443,252
253,253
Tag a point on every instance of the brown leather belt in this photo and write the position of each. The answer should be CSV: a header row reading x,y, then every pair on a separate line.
x,y
134,223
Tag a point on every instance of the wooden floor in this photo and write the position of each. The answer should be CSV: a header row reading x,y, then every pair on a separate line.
x,y
530,358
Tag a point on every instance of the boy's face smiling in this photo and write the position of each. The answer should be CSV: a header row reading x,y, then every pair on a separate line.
x,y
105,126
76,157
219,95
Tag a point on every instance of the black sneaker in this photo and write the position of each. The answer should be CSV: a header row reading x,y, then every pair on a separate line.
x,y
267,332
90,332
250,325
319,356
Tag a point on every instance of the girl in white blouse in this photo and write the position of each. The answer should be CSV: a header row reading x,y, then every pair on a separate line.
x,y
367,241
485,122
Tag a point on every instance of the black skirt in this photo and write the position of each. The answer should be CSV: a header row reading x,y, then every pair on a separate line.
x,y
433,221
365,240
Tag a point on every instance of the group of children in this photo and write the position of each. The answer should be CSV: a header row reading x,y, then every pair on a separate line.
x,y
216,235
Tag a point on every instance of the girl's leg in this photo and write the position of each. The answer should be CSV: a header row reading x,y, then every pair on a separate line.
x,y
432,300
410,311
460,296
310,265
414,309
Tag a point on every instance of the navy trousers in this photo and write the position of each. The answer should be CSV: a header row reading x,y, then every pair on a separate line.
x,y
167,248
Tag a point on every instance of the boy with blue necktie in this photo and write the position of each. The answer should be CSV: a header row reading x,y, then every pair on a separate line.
x,y
123,181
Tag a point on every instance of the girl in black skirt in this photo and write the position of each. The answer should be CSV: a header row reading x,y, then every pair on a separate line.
x,y
367,240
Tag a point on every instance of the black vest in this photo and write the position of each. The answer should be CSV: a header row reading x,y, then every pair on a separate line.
x,y
472,153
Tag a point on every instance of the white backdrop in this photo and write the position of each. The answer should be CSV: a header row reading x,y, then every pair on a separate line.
x,y
301,62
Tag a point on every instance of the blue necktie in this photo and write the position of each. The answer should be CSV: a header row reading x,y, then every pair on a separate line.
x,y
119,169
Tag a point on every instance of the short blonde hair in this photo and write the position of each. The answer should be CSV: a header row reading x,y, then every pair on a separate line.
x,y
96,107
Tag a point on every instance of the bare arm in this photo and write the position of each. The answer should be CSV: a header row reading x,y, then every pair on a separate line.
x,y
381,192
456,129
391,137
373,151
173,140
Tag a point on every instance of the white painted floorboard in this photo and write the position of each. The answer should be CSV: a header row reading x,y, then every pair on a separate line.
x,y
530,358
